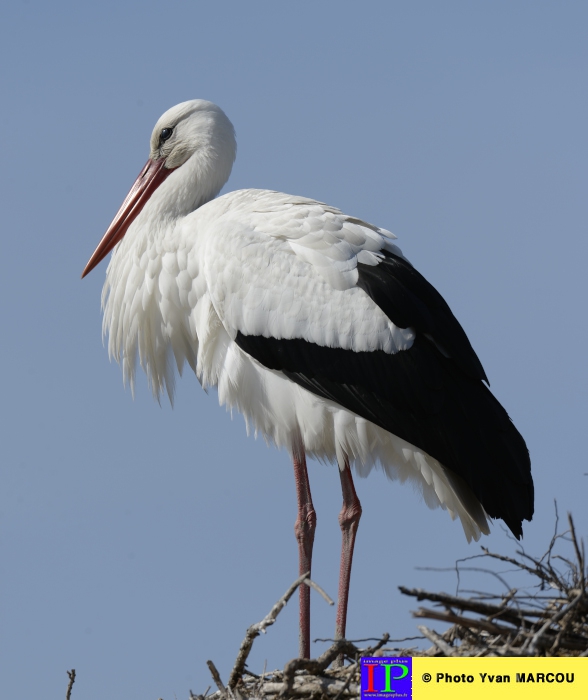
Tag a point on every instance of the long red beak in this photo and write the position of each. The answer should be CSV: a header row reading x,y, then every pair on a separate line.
x,y
152,175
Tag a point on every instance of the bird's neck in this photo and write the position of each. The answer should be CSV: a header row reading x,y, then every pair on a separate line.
x,y
188,187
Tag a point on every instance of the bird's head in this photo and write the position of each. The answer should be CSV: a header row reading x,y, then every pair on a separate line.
x,y
194,142
194,127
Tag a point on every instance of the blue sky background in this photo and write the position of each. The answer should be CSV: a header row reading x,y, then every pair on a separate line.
x,y
136,541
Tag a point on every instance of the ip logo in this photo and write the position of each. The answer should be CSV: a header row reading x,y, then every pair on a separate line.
x,y
386,677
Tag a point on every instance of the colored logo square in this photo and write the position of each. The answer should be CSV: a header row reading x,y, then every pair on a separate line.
x,y
386,677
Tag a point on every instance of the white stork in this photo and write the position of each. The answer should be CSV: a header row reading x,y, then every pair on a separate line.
x,y
314,326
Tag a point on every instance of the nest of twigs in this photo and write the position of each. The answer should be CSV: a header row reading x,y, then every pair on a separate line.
x,y
546,617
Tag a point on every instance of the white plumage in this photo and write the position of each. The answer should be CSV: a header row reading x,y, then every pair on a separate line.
x,y
196,279
268,264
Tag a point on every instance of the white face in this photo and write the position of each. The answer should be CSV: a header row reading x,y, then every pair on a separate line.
x,y
189,127
197,132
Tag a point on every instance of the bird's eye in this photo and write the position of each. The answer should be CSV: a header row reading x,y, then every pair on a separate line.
x,y
164,136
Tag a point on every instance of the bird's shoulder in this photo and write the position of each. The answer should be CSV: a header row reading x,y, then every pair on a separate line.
x,y
286,266
330,242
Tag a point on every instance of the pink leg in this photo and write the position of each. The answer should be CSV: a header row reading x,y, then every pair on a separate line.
x,y
304,528
348,520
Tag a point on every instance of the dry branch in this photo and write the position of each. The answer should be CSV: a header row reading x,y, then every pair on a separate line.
x,y
557,626
217,679
72,680
256,629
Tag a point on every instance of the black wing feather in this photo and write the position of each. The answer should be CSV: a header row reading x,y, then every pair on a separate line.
x,y
408,300
431,395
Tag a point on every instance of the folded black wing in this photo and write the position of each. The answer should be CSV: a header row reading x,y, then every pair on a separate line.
x,y
408,300
431,395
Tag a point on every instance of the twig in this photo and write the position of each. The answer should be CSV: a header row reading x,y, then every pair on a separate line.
x,y
501,557
555,534
472,605
370,651
464,621
72,680
199,697
250,673
579,554
438,641
345,686
316,687
316,666
369,639
312,584
217,679
551,621
259,627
